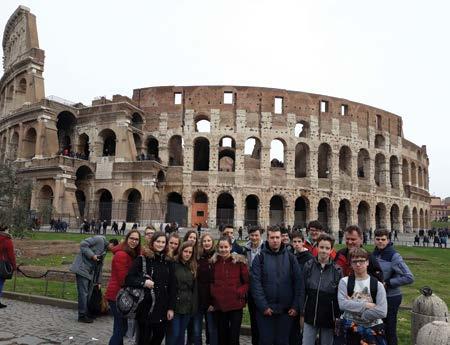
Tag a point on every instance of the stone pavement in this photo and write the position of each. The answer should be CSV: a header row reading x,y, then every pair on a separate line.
x,y
24,323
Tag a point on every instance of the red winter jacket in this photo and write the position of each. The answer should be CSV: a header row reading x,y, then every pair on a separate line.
x,y
7,249
229,283
120,266
315,251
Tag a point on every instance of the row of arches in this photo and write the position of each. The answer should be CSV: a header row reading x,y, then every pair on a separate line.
x,y
414,174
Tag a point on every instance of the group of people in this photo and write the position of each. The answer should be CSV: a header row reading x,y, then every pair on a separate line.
x,y
58,225
297,289
437,237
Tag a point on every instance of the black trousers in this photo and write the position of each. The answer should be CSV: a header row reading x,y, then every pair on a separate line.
x,y
253,322
229,326
151,333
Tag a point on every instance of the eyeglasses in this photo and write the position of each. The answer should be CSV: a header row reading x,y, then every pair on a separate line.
x,y
149,234
134,239
356,262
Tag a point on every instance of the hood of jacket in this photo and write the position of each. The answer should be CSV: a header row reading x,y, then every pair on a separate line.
x,y
248,245
4,235
386,253
235,258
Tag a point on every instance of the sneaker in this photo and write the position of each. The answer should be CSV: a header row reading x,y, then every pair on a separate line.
x,y
2,305
85,319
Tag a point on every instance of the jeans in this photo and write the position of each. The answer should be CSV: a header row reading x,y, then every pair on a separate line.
x,y
84,288
120,325
253,324
275,329
310,335
229,326
2,282
211,322
390,322
176,334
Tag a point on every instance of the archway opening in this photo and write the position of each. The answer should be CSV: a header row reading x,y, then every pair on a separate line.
x,y
363,216
395,217
152,149
251,210
176,151
301,129
46,203
137,121
203,126
301,212
14,145
176,210
276,210
363,164
344,214
380,170
277,153
406,218
201,154
379,142
199,214
133,206
415,218
324,161
323,213
225,209
109,142
83,146
301,160
345,161
65,126
394,172
105,205
29,144
81,202
380,216
252,153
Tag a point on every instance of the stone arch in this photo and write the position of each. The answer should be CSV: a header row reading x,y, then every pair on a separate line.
x,y
324,213
251,210
137,121
421,219
301,160
324,161
425,178
380,142
161,177
395,217
380,216
345,161
227,154
83,146
363,164
277,153
138,145
413,174
29,143
301,211
276,210
363,215
301,129
152,145
406,219
176,151
10,94
14,146
80,196
419,177
252,153
22,86
415,219
199,212
394,172
176,210
3,149
134,199
65,125
108,139
46,202
380,170
202,124
344,213
225,209
405,172
201,154
105,201
427,219
83,181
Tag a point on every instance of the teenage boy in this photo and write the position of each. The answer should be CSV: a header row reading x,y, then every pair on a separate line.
x,y
228,230
321,278
362,299
315,229
285,239
396,273
252,249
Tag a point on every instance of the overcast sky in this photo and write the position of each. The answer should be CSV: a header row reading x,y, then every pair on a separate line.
x,y
394,55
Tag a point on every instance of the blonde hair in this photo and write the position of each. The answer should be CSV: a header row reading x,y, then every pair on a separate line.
x,y
201,250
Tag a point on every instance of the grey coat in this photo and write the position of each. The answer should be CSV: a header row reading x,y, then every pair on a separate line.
x,y
83,264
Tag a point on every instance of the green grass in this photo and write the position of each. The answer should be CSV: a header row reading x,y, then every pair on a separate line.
x,y
52,236
37,287
440,224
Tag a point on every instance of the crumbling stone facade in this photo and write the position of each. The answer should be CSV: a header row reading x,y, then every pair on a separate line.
x,y
208,154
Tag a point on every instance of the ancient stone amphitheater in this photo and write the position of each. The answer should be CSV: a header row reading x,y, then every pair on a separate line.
x,y
206,154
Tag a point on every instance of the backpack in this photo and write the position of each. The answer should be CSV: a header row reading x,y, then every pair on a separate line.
x,y
128,298
373,287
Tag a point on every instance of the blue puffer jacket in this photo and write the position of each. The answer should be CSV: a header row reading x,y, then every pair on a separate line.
x,y
275,280
395,272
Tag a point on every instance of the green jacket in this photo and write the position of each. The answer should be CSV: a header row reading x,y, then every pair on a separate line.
x,y
186,291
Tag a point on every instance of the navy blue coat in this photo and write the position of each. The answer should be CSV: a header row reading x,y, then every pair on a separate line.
x,y
275,280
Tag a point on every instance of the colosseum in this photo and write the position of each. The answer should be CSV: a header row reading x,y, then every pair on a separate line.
x,y
206,154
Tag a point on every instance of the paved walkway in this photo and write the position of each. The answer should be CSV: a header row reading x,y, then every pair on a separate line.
x,y
24,323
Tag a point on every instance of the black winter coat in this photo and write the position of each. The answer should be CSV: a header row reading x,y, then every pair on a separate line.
x,y
321,306
160,269
204,279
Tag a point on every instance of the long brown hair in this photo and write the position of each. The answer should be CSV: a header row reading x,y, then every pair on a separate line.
x,y
127,249
192,262
200,248
149,251
186,236
169,251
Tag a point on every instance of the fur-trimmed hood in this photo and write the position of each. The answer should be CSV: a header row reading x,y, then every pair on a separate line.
x,y
235,258
148,253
